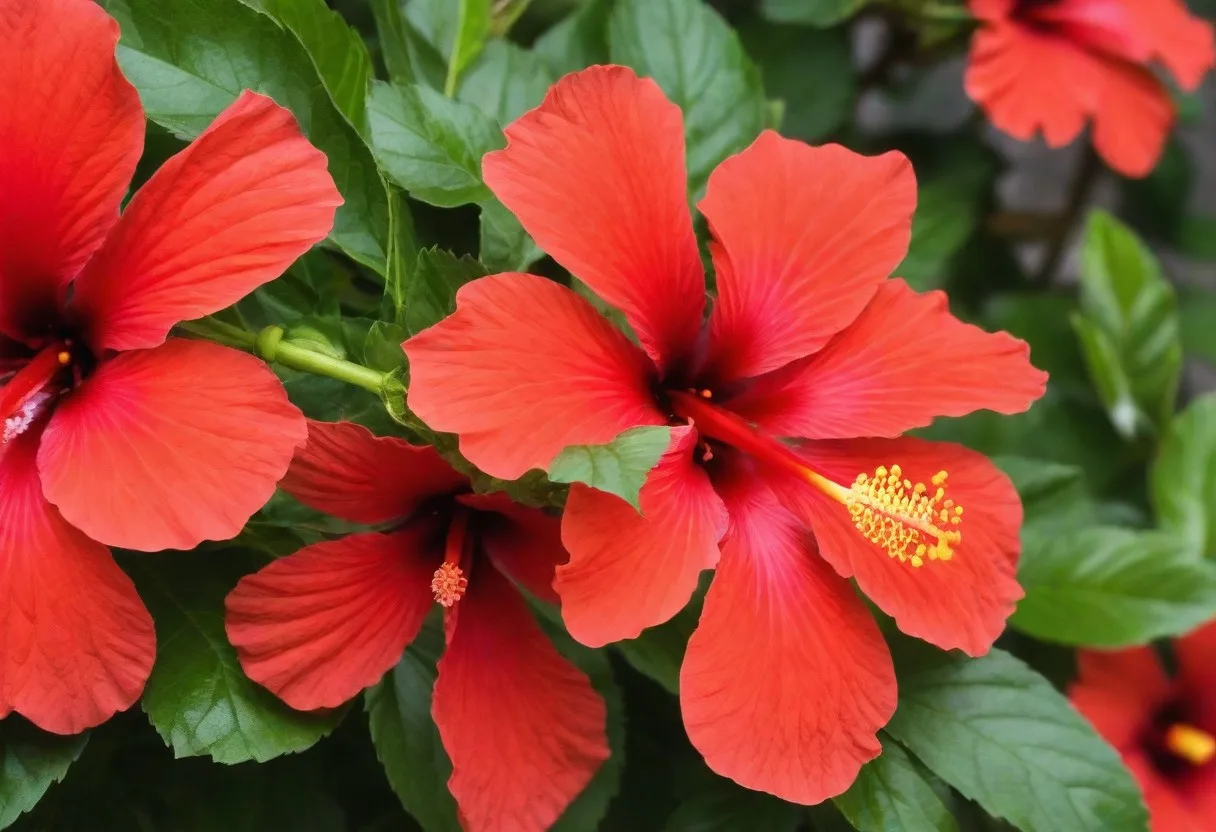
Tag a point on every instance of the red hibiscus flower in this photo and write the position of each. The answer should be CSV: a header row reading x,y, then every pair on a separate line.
x,y
522,725
113,435
1050,65
1164,728
787,678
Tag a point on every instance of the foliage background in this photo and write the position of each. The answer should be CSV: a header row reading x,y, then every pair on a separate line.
x,y
1114,464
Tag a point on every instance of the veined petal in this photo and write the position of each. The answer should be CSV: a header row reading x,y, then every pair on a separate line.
x,y
523,369
1169,808
596,175
71,132
905,361
961,602
629,571
1133,119
165,448
76,644
317,627
345,471
524,543
787,679
1119,692
1014,73
523,726
803,237
1180,40
222,217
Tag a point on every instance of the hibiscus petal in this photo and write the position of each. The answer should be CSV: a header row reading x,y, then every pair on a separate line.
x,y
1133,119
804,235
524,543
345,471
959,603
1170,808
71,132
523,369
596,175
787,678
1196,654
317,627
522,725
78,644
1119,692
165,448
1181,41
629,571
227,214
905,361
1014,73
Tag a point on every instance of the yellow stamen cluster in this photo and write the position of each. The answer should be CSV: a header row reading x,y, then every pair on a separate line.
x,y
906,520
1196,746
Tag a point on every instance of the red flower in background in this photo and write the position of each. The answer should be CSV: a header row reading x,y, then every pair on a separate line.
x,y
1164,728
522,725
787,679
1051,65
113,435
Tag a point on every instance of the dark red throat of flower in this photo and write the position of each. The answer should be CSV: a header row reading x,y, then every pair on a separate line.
x,y
449,582
31,389
911,522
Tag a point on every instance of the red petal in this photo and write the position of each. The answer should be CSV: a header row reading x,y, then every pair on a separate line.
x,y
1168,806
804,236
1014,73
1133,119
787,679
345,471
629,571
524,543
71,131
960,603
1196,654
166,448
905,361
523,369
1178,39
227,214
1120,692
596,175
78,643
523,726
321,625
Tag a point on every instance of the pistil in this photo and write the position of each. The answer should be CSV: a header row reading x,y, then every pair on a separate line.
x,y
30,389
449,582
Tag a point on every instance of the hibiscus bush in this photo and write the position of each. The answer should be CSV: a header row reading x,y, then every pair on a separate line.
x,y
675,415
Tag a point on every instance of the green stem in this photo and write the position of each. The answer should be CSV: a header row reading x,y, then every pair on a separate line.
x,y
270,346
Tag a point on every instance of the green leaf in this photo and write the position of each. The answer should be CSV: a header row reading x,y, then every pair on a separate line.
x,y
430,295
1183,477
721,806
472,29
338,53
30,761
891,794
430,145
793,59
406,739
579,40
1111,587
698,61
1128,327
619,467
821,13
409,57
1054,497
659,651
506,81
198,698
1002,736
190,59
504,246
1197,310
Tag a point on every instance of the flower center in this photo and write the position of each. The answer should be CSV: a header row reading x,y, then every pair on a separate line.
x,y
910,521
1191,744
32,389
449,583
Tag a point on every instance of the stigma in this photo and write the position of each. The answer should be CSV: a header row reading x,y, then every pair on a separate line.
x,y
1191,744
449,584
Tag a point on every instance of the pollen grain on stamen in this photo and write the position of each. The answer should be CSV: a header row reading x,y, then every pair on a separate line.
x,y
909,521
1192,744
449,584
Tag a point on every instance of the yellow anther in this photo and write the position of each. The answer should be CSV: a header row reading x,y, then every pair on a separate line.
x,y
1196,746
902,518
64,358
